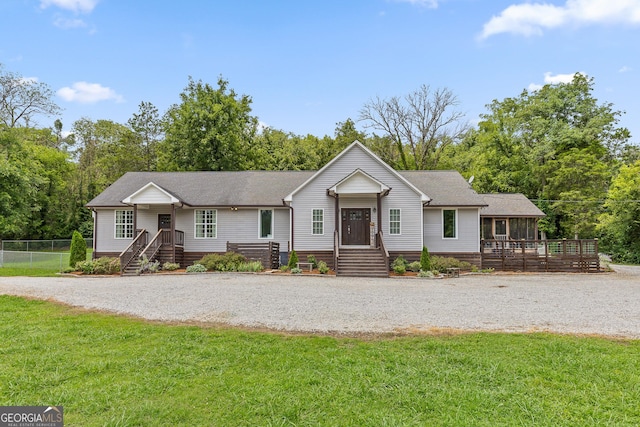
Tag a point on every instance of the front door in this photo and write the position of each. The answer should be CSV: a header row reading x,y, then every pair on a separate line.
x,y
164,221
355,226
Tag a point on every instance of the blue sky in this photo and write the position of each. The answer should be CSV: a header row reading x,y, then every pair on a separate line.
x,y
308,64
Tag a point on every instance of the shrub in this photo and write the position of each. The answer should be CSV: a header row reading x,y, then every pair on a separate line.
x,y
85,266
293,260
196,268
284,268
427,273
296,270
425,259
323,268
442,263
170,266
252,266
312,259
414,266
399,269
225,262
78,249
147,266
106,265
400,261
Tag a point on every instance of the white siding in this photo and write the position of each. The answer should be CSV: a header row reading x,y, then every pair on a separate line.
x,y
105,232
468,238
314,196
239,226
151,195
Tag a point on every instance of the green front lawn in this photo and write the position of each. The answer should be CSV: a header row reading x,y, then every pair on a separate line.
x,y
110,370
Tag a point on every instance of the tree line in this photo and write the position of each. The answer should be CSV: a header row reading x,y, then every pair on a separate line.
x,y
557,145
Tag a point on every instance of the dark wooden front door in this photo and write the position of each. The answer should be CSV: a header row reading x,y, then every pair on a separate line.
x,y
164,221
355,226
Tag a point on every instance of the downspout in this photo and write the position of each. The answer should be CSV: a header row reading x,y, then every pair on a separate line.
x,y
290,223
94,213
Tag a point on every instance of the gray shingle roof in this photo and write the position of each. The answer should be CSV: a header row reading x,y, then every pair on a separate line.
x,y
506,204
268,188
243,188
445,188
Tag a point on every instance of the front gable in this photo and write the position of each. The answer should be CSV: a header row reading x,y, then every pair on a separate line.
x,y
358,157
359,182
151,194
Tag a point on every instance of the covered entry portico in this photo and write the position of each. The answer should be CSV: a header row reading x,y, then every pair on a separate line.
x,y
358,209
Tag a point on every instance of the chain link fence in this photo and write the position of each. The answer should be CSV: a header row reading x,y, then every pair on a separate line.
x,y
38,254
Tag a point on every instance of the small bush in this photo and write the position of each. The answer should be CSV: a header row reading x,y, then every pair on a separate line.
x,y
170,266
296,270
442,263
399,269
85,266
323,268
106,265
284,268
428,274
312,260
196,268
400,261
293,260
414,266
78,249
252,266
225,262
425,259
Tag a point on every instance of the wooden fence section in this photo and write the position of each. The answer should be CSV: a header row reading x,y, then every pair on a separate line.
x,y
267,253
541,255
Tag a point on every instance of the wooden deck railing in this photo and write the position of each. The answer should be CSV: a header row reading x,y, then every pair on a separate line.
x,y
267,253
541,255
383,250
154,245
133,250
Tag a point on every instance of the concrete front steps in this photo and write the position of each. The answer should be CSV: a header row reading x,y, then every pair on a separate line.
x,y
362,263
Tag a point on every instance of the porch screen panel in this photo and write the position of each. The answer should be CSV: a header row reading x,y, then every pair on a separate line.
x,y
487,232
522,228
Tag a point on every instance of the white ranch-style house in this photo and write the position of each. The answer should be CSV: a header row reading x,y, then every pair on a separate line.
x,y
355,213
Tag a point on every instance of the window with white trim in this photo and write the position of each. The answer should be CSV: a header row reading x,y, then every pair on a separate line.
x,y
449,224
317,221
394,221
124,224
265,226
206,223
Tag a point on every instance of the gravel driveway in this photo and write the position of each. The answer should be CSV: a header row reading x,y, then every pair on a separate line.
x,y
606,304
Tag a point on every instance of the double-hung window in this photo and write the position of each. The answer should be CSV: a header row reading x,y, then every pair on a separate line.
x,y
206,223
124,225
449,224
317,222
394,221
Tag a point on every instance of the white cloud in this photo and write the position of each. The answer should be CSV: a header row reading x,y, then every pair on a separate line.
x,y
624,69
83,6
529,19
551,79
433,4
28,80
88,93
67,24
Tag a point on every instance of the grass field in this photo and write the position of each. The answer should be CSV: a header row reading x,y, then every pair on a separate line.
x,y
42,263
109,370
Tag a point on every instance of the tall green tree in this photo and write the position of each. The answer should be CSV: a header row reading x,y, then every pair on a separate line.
x,y
556,145
211,129
147,125
620,223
